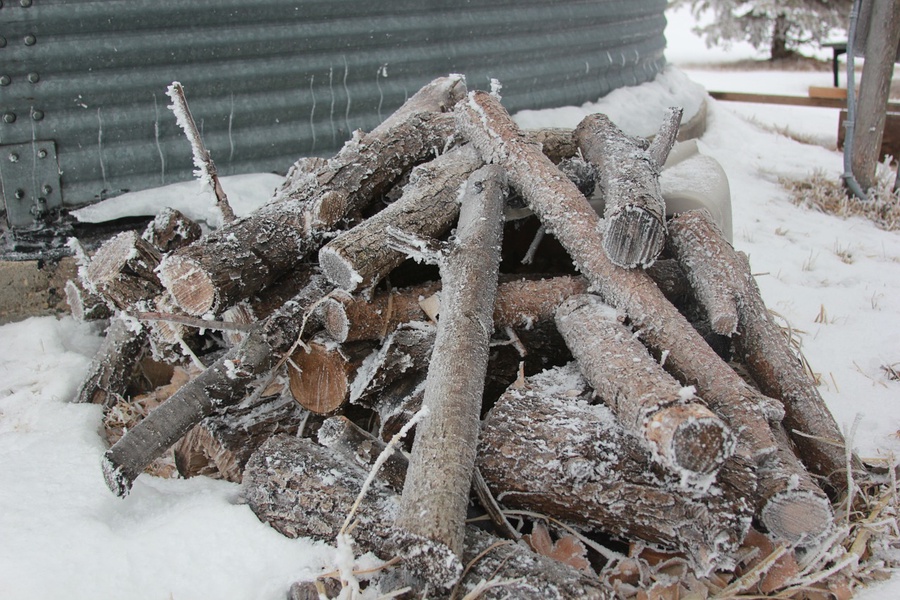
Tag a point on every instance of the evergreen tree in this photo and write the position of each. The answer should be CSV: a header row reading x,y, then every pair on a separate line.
x,y
782,26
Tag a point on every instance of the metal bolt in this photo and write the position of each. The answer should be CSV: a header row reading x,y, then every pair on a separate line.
x,y
37,115
20,193
30,40
13,157
2,42
25,3
47,189
33,77
5,80
9,118
42,153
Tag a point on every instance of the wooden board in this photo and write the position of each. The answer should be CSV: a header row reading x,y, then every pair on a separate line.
x,y
890,142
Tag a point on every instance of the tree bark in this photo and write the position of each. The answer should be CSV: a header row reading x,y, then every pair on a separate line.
x,y
635,212
359,258
84,305
221,444
347,439
545,449
568,216
434,500
761,346
680,433
224,383
304,490
171,230
246,255
114,364
320,377
123,271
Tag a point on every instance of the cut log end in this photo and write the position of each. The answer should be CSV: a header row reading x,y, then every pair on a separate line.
x,y
190,285
117,480
634,237
339,270
319,381
334,320
798,516
701,444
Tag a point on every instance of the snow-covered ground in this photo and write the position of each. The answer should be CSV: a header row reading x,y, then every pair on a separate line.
x,y
63,534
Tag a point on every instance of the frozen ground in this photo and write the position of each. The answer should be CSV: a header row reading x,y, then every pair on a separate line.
x,y
62,534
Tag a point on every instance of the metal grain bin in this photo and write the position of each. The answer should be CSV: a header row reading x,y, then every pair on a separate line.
x,y
83,82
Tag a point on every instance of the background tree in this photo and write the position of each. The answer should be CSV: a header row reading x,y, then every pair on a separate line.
x,y
782,26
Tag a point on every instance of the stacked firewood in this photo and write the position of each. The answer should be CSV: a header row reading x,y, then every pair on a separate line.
x,y
620,377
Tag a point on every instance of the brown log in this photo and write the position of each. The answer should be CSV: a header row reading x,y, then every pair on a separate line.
x,y
221,444
359,258
434,499
545,448
680,432
171,230
248,254
113,365
665,138
635,212
224,383
123,270
568,216
557,143
84,305
304,490
520,303
362,448
320,374
722,277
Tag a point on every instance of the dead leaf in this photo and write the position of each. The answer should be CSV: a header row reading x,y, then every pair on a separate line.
x,y
568,549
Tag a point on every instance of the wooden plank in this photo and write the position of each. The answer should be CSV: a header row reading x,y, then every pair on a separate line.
x,y
788,100
890,141
838,93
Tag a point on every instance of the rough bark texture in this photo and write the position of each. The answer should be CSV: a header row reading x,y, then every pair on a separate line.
x,y
557,143
359,258
665,138
123,270
246,255
760,343
436,493
320,374
171,230
84,305
113,365
303,490
635,212
224,383
544,448
220,445
359,446
568,216
684,435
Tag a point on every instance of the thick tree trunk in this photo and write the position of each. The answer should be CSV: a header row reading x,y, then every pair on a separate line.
x,y
304,490
635,212
434,500
569,217
521,303
722,279
778,49
246,255
224,383
359,258
320,375
682,434
544,448
221,444
113,365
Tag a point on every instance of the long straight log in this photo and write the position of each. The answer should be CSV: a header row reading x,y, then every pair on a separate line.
x,y
723,281
359,258
224,383
436,493
545,448
681,433
304,490
248,254
113,365
635,212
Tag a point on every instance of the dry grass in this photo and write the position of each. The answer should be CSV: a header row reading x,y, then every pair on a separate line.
x,y
826,193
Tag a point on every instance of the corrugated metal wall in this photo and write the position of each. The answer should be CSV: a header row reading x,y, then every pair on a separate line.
x,y
271,80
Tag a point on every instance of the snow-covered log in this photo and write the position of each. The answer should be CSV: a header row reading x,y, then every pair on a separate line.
x,y
436,493
170,230
359,446
304,490
544,448
113,365
680,432
123,270
248,254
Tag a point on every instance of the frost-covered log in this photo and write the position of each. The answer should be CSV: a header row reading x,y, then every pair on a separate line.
x,y
434,500
683,434
665,138
722,279
248,254
85,305
123,270
521,303
545,448
304,490
322,371
221,444
170,230
226,382
359,258
635,212
359,446
113,365
570,218
557,143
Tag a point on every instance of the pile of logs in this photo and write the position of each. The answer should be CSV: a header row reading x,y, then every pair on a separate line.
x,y
620,378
